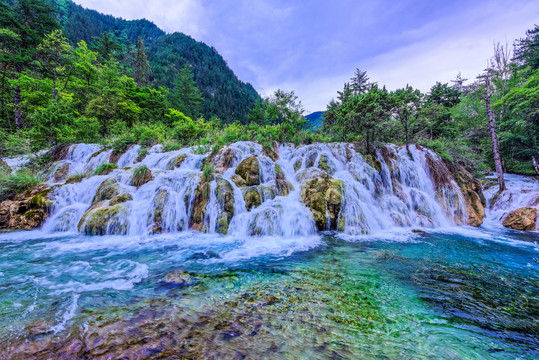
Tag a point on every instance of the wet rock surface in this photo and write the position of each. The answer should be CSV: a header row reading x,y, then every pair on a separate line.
x,y
521,219
249,171
26,211
324,196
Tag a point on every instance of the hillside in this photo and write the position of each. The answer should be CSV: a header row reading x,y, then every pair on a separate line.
x,y
315,121
224,94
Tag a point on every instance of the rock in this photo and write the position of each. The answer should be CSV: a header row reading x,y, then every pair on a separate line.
x,y
282,186
325,165
106,191
471,190
249,170
252,198
202,195
271,152
417,231
40,327
224,159
297,164
238,180
177,279
225,198
521,219
177,161
61,173
59,152
323,195
4,167
141,176
119,199
374,163
26,211
309,174
102,219
159,202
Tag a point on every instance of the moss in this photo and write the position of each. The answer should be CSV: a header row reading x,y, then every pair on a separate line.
x,y
238,180
41,200
121,198
249,170
324,196
374,163
105,169
177,161
105,220
252,198
107,190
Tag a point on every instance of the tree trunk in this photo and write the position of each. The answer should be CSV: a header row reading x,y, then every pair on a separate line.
x,y
17,101
494,138
535,165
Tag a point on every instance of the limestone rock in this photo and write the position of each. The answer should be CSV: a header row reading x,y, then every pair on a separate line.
x,y
282,186
26,211
225,199
120,199
521,219
224,159
373,162
471,190
177,279
249,170
238,180
106,191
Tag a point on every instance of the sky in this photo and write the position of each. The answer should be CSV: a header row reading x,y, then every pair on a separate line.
x,y
314,46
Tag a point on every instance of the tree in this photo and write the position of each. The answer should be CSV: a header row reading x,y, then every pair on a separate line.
x,y
360,82
285,107
53,48
141,64
186,97
257,115
107,46
527,49
494,139
405,105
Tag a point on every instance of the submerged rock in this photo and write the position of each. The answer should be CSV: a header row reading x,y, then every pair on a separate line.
x,y
177,279
249,170
26,211
521,219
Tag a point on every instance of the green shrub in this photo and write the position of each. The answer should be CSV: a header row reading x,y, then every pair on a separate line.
x,y
122,143
13,184
207,172
141,175
105,169
76,178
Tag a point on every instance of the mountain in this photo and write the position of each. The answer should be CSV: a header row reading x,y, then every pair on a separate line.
x,y
225,96
315,121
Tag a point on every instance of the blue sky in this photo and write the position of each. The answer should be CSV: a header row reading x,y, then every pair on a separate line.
x,y
314,46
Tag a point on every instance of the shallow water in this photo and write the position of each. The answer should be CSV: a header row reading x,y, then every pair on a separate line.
x,y
449,294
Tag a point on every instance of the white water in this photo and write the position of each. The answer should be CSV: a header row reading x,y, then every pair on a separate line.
x,y
400,195
522,191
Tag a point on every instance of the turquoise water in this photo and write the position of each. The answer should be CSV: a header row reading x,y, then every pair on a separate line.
x,y
461,293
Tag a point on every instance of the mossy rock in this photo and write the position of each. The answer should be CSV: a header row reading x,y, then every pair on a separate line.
x,y
159,202
105,220
309,174
238,180
249,170
107,190
41,200
373,162
177,161
141,176
324,197
252,198
325,164
119,199
224,193
297,164
202,195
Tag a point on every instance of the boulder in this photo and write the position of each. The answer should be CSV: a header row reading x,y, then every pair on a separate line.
x,y
521,219
102,219
120,199
252,198
141,176
106,191
26,211
282,186
249,170
238,180
177,279
177,161
324,197
225,198
374,163
325,165
200,201
309,174
61,173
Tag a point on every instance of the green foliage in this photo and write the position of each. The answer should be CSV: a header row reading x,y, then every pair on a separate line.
x,y
207,172
105,168
12,184
139,172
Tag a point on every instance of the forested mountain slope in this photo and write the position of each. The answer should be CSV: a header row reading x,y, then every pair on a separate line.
x,y
224,94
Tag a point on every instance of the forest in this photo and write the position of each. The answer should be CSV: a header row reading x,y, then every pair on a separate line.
x,y
73,75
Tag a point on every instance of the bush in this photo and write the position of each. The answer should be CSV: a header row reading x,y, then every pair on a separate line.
x,y
105,169
207,172
141,175
13,184
148,135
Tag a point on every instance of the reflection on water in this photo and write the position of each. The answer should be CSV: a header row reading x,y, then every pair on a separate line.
x,y
473,294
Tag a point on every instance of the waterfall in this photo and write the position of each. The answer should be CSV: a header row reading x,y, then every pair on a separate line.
x,y
293,192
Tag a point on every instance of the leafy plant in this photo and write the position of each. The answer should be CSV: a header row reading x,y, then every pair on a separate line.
x,y
13,184
105,169
207,172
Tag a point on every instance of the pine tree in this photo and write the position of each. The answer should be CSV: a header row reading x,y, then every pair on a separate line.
x,y
141,64
186,96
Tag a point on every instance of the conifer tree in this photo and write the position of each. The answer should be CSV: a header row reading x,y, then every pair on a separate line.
x,y
186,96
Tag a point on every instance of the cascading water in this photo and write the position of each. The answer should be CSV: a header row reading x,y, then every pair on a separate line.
x,y
349,192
